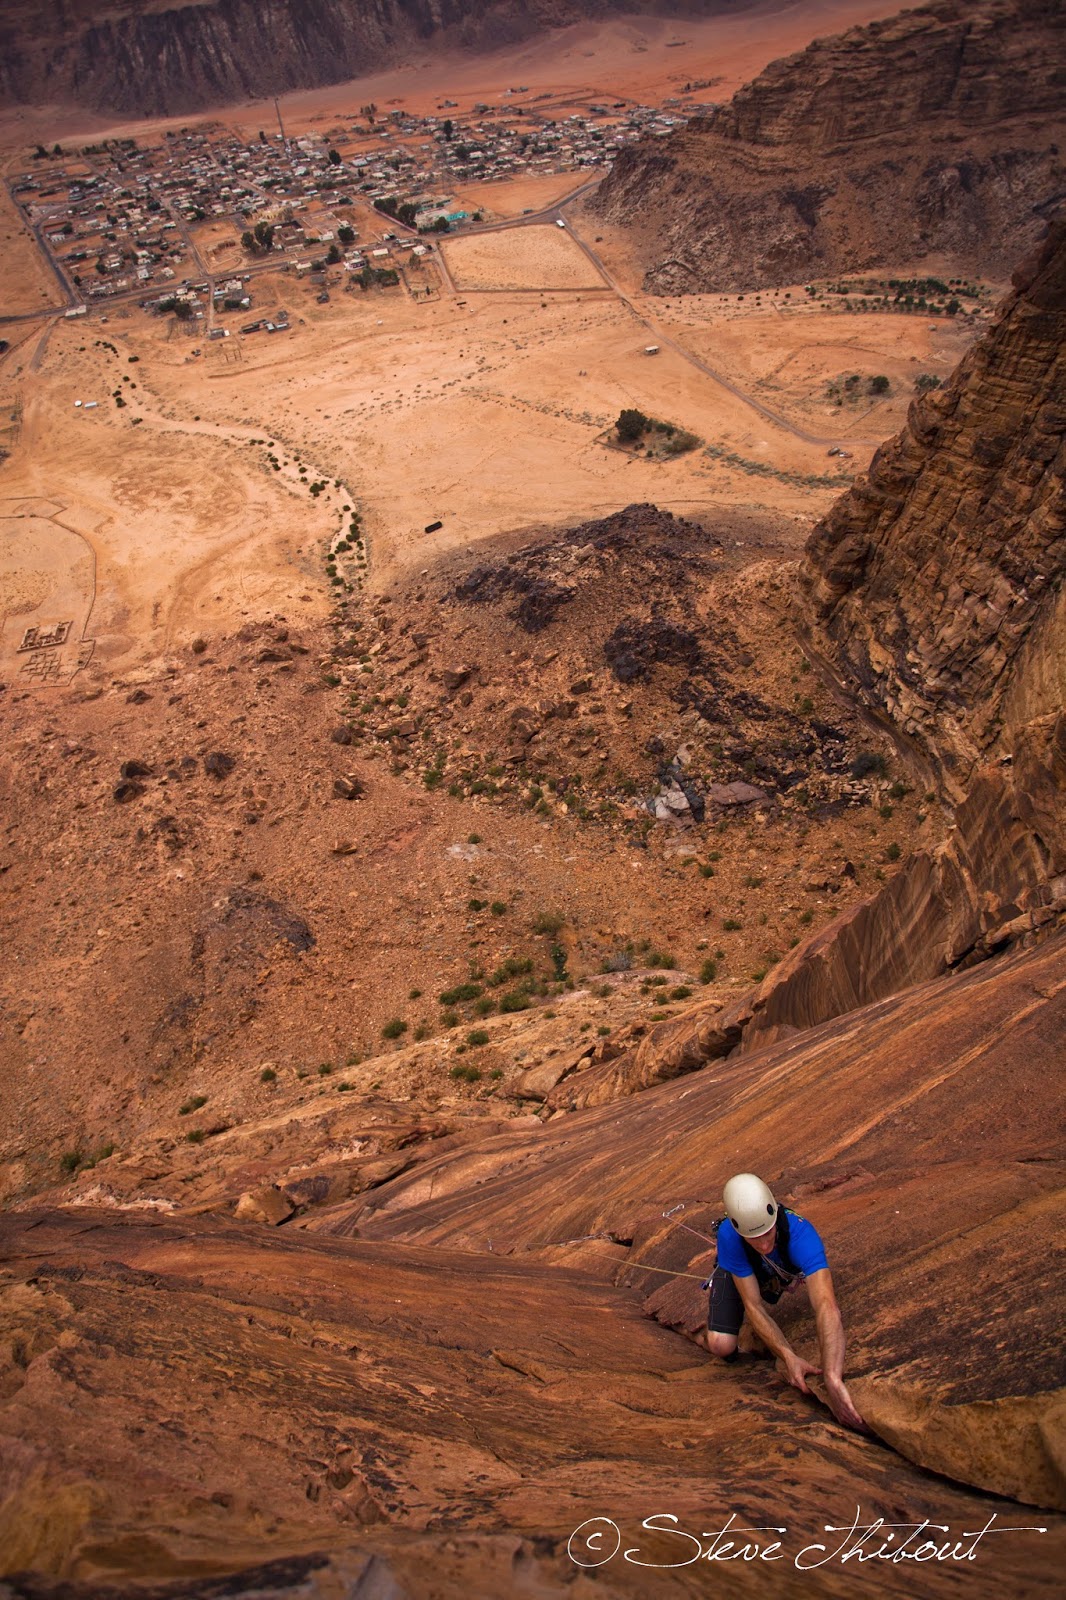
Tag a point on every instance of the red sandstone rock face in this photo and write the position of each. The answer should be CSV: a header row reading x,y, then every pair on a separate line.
x,y
935,586
937,131
451,1397
924,1122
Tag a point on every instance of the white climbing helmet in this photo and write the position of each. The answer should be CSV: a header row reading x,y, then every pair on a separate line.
x,y
750,1206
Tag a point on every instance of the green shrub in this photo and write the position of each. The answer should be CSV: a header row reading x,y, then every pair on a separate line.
x,y
195,1136
513,967
708,971
193,1103
477,1037
514,1000
867,762
268,1075
661,958
394,1028
498,908
71,1160
603,1031
893,852
466,1074
731,925
324,1070
631,424
549,922
680,992
461,992
706,870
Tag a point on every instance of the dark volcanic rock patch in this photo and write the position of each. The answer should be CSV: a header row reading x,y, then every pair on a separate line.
x,y
594,663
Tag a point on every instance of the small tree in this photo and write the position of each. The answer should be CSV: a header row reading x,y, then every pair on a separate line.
x,y
630,425
335,158
345,234
879,385
248,241
449,127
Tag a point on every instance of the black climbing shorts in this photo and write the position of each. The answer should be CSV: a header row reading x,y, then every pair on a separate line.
x,y
725,1310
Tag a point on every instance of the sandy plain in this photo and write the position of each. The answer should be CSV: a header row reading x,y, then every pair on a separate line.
x,y
485,411
186,514
483,408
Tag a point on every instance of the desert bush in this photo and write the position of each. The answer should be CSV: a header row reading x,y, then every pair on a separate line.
x,y
866,763
461,992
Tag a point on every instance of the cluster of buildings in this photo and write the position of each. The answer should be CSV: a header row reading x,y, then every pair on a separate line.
x,y
122,219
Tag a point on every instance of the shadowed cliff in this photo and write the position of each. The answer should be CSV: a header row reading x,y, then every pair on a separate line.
x,y
142,59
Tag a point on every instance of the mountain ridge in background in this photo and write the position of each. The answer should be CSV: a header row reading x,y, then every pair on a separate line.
x,y
937,132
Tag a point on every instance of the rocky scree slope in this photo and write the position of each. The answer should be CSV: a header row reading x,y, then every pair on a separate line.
x,y
935,132
598,666
145,59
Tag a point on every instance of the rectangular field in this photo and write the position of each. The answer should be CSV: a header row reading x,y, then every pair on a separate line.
x,y
533,257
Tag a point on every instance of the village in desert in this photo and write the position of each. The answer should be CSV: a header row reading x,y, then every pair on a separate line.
x,y
532,676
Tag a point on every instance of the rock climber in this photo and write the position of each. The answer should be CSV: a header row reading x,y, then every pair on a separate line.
x,y
764,1251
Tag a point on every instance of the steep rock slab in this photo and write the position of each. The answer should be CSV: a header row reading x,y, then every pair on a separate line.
x,y
187,1399
934,132
934,587
915,1132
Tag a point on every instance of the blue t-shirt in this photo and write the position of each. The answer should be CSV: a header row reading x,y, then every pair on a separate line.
x,y
805,1248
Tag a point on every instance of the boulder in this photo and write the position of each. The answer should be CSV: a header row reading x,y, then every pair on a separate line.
x,y
348,787
267,1204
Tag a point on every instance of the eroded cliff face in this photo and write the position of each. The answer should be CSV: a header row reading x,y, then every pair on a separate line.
x,y
147,59
936,131
933,592
934,587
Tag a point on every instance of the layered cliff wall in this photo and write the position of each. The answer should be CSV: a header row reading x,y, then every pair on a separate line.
x,y
141,58
934,587
941,130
